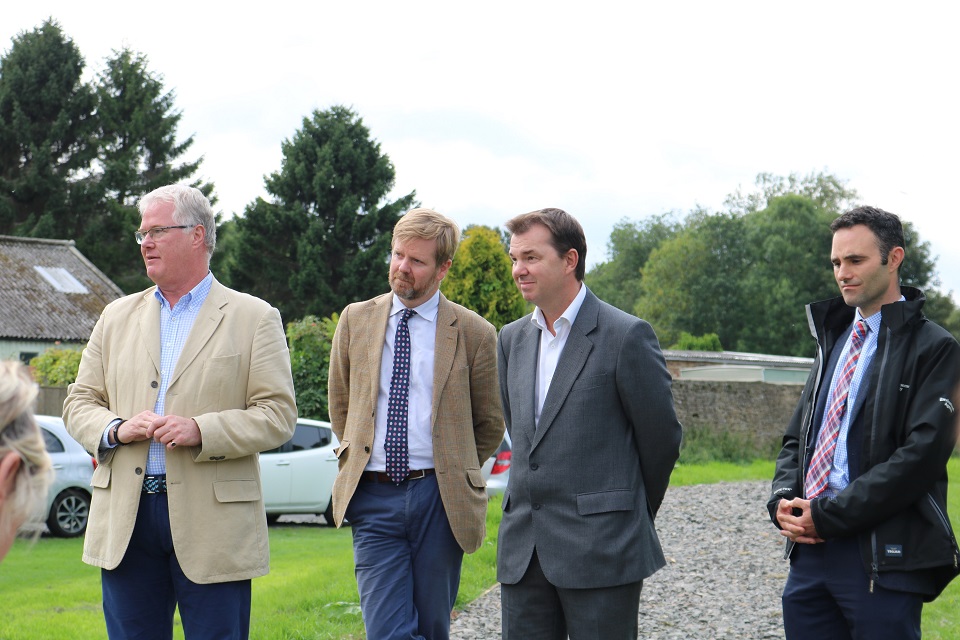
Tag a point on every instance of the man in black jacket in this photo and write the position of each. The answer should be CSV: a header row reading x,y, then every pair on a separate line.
x,y
860,486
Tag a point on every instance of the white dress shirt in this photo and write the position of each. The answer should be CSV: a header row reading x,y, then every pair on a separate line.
x,y
423,340
551,346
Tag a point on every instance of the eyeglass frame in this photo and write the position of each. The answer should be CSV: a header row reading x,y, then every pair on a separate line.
x,y
141,236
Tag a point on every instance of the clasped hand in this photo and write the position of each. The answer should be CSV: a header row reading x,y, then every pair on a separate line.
x,y
799,528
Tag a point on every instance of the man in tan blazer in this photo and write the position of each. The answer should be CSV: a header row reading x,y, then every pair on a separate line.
x,y
179,388
415,405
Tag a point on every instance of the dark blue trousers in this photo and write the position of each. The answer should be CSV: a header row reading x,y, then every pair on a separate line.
x,y
828,597
407,560
140,595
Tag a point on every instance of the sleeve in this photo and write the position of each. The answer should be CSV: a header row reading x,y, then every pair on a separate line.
x,y
644,387
484,396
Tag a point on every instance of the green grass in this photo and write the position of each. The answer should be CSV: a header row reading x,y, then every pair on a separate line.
x,y
48,593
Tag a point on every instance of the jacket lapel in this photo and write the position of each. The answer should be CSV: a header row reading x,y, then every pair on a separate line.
x,y
208,319
572,360
444,351
148,314
376,329
523,386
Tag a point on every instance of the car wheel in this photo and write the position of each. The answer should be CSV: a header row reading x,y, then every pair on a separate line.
x,y
69,514
328,514
272,518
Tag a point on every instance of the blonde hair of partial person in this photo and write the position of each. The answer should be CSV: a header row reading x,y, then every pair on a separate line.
x,y
427,224
20,436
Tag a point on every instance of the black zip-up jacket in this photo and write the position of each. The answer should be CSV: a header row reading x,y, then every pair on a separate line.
x,y
899,444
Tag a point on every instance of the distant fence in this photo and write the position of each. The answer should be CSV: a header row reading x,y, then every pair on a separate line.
x,y
50,401
752,414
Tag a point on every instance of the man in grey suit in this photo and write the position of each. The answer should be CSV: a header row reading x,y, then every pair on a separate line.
x,y
587,402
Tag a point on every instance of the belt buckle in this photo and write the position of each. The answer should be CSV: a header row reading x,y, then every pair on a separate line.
x,y
416,475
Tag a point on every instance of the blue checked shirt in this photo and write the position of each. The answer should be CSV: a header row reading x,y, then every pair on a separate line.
x,y
175,326
840,473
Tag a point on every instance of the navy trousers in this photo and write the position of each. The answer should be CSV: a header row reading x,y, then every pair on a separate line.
x,y
828,597
140,595
407,560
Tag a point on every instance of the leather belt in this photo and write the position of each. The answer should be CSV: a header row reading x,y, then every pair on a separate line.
x,y
381,476
154,484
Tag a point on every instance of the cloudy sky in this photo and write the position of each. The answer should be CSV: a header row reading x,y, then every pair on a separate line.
x,y
610,111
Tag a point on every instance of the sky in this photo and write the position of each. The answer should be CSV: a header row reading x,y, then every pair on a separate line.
x,y
612,111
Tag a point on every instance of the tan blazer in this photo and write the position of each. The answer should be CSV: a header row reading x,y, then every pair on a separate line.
x,y
233,377
467,421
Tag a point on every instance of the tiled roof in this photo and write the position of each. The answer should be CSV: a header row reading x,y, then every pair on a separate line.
x,y
49,291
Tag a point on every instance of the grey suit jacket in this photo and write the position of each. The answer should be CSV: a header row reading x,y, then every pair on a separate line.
x,y
586,483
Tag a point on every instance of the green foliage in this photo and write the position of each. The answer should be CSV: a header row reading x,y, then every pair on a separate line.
x,y
826,191
56,367
618,280
480,278
324,239
688,342
75,155
310,341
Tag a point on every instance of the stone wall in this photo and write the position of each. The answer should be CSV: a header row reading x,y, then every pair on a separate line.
x,y
753,413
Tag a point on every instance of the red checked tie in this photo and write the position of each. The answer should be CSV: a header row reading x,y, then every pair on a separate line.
x,y
822,461
396,448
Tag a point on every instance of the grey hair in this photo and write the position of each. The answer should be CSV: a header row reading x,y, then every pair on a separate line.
x,y
190,207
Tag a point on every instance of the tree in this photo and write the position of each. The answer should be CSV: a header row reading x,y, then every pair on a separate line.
x,y
827,191
310,342
74,156
480,278
47,136
56,367
324,238
691,282
139,152
618,281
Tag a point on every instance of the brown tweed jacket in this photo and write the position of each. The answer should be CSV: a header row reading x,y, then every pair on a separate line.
x,y
467,420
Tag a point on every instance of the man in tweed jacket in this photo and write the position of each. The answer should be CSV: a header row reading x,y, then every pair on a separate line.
x,y
409,536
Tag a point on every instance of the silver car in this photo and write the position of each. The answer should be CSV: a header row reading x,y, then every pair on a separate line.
x,y
68,501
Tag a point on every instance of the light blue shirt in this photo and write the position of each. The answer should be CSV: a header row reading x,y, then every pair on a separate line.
x,y
175,326
839,476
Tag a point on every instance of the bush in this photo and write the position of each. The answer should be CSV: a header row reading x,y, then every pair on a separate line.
x,y
310,340
56,367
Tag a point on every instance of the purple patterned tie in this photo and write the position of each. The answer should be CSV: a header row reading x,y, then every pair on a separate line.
x,y
398,454
822,462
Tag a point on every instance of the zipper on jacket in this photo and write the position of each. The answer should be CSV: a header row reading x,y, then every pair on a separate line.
x,y
874,567
945,523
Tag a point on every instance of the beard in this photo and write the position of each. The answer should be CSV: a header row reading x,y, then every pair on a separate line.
x,y
405,289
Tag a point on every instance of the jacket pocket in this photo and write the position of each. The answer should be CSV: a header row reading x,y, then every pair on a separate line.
x,y
236,490
343,447
101,477
475,478
605,501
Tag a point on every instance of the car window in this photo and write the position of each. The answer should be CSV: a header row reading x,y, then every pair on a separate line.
x,y
53,443
308,436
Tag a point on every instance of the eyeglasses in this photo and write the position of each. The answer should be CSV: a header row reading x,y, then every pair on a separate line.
x,y
158,232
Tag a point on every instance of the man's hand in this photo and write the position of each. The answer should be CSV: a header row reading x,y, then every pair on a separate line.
x,y
135,429
174,431
799,528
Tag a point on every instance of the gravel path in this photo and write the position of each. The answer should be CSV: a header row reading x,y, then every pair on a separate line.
x,y
723,578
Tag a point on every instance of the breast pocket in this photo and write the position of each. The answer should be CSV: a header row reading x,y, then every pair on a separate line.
x,y
220,383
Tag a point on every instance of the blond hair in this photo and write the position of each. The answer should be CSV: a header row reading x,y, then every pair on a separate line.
x,y
427,224
19,433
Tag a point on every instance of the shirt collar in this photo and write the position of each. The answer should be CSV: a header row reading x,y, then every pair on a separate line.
x,y
198,293
428,310
873,321
569,315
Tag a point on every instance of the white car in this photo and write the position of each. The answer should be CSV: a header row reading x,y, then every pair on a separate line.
x,y
297,477
68,500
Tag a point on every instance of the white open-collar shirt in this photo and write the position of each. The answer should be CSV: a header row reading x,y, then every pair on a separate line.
x,y
551,346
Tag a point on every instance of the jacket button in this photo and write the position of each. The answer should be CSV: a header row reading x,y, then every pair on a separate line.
x,y
138,471
154,384
366,449
534,466
536,506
